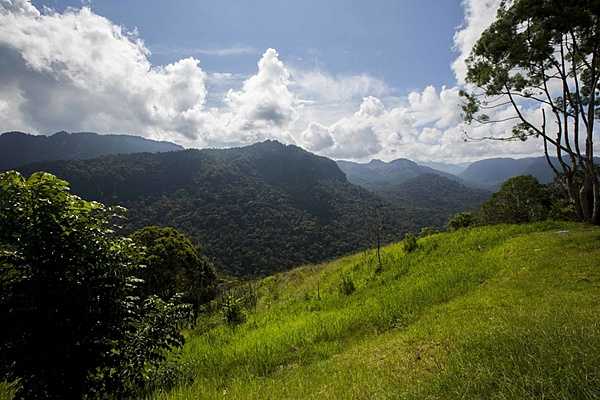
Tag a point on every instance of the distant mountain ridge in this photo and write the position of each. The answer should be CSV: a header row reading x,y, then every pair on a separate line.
x,y
18,148
432,196
492,172
454,169
377,174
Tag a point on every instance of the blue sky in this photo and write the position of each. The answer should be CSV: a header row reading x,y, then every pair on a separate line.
x,y
346,79
406,43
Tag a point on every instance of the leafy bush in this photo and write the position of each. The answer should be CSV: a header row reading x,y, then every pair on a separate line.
x,y
427,231
521,199
73,322
346,286
461,220
174,265
233,310
410,243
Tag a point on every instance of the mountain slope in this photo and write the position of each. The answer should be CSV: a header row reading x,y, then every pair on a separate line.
x,y
437,196
18,149
476,314
454,169
492,172
429,195
256,209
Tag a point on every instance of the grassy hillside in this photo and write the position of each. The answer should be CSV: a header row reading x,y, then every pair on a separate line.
x,y
505,312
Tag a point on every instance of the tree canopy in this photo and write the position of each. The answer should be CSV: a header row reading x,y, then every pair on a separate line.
x,y
172,264
520,199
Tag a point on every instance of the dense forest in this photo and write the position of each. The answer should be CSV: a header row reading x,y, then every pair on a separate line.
x,y
255,210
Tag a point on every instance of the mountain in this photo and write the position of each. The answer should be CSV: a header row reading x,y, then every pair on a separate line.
x,y
18,148
437,196
255,209
454,169
492,172
429,196
378,174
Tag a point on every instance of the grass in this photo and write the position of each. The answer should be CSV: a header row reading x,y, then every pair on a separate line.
x,y
503,312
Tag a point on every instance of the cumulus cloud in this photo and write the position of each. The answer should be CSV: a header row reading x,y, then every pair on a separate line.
x,y
77,70
479,14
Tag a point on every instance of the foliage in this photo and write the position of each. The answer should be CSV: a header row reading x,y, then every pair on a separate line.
x,y
427,231
520,199
346,286
461,220
73,323
254,210
539,64
485,314
409,244
172,264
233,309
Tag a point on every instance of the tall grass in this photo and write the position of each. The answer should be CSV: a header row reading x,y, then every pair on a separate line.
x,y
496,312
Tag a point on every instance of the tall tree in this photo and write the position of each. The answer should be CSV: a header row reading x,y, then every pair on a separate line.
x,y
541,59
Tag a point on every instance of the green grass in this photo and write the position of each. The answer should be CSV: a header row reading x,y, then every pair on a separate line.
x,y
503,312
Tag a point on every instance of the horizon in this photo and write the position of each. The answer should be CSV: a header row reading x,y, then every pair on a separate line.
x,y
215,79
418,161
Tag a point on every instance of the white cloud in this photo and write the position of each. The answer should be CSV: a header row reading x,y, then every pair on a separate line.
x,y
479,14
316,85
77,70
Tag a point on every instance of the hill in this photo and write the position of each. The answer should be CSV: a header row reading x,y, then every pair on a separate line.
x,y
491,173
485,313
436,196
18,148
454,169
255,209
429,195
378,174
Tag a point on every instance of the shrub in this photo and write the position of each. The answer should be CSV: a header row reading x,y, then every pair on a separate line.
x,y
346,286
74,324
410,243
233,310
461,220
427,231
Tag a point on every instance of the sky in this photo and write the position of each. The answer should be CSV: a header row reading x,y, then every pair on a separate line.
x,y
345,79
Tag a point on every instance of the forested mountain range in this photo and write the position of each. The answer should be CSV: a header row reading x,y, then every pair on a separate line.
x,y
255,209
264,207
431,195
376,174
18,148
434,198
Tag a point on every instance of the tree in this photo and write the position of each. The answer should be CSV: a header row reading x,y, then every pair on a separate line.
x,y
521,199
174,265
461,220
73,323
540,59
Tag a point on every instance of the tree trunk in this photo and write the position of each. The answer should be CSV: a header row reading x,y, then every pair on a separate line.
x,y
596,201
